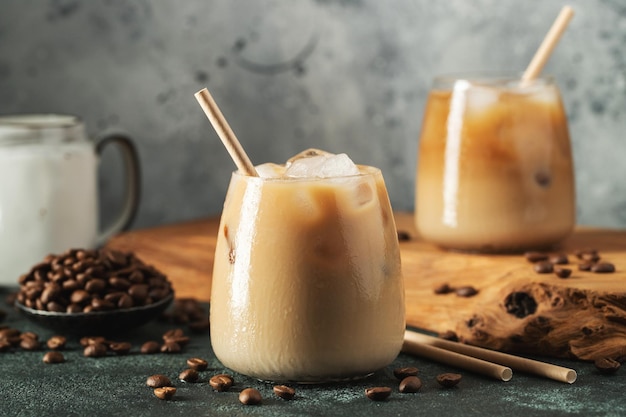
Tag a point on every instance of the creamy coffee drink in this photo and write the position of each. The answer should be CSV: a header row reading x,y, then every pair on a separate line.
x,y
495,169
307,283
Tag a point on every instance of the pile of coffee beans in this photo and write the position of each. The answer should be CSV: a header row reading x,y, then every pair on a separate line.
x,y
589,260
82,281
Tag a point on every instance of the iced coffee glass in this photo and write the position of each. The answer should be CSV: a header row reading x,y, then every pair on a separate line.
x,y
495,170
307,284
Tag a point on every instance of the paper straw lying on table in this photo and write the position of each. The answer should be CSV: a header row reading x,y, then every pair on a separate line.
x,y
558,373
448,357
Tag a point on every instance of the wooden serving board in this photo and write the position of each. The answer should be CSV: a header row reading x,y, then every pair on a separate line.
x,y
583,316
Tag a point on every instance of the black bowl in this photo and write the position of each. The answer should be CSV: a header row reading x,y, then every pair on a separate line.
x,y
97,322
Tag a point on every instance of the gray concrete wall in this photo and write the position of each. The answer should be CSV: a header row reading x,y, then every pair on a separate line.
x,y
342,75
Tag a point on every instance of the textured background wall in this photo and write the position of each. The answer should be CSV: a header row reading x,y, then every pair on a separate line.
x,y
342,75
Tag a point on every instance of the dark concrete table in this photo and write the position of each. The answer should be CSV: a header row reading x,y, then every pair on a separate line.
x,y
115,385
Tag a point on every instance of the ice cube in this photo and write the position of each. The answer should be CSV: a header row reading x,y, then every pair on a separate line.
x,y
270,170
307,154
322,166
481,98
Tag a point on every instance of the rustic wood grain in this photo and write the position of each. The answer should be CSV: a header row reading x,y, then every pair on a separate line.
x,y
582,316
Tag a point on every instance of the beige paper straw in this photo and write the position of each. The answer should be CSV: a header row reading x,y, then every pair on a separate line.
x,y
480,366
548,44
558,373
225,133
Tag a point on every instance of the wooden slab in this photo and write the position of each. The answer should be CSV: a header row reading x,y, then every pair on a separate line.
x,y
582,317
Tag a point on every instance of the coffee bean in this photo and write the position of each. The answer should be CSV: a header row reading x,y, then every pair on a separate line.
x,y
250,396
606,366
467,291
603,268
543,179
73,308
589,252
189,375
535,257
543,267
125,301
403,236
444,288
402,373
53,357
197,363
96,350
5,345
120,348
56,342
559,259
80,297
590,257
95,285
221,382
150,347
449,380
378,393
585,266
29,343
158,381
449,335
410,384
91,340
170,347
165,393
284,392
563,272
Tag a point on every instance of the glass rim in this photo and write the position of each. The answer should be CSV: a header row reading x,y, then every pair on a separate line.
x,y
490,78
370,171
39,121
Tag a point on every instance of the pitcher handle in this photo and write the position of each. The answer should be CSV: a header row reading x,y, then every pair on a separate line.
x,y
133,184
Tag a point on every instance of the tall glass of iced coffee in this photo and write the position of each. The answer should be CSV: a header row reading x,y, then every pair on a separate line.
x,y
495,170
307,283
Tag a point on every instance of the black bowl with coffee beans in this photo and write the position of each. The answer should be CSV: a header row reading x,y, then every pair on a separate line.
x,y
101,290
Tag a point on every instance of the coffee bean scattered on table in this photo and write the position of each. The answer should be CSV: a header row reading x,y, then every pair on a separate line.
x,y
120,348
221,382
536,256
284,392
403,236
449,379
562,272
378,393
96,350
402,373
250,396
56,342
53,357
189,375
444,288
91,280
410,384
603,268
543,267
466,291
165,393
559,259
606,366
150,347
197,363
158,381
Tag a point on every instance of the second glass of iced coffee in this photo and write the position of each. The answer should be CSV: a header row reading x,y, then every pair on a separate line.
x,y
307,284
495,170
